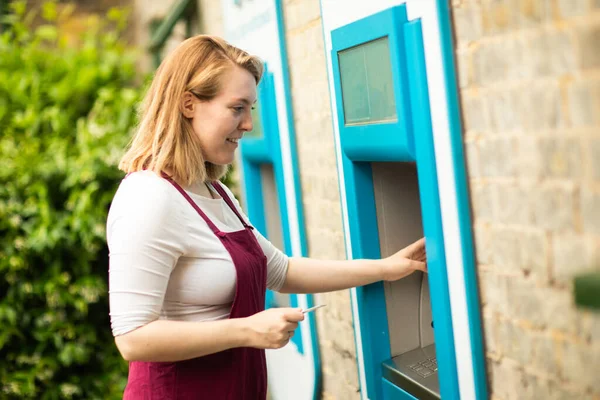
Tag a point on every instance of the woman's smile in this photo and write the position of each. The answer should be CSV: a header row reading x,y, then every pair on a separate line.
x,y
233,141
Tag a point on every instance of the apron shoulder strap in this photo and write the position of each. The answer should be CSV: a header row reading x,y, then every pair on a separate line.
x,y
212,226
219,188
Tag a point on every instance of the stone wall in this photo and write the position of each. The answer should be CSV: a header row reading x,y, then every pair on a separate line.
x,y
529,76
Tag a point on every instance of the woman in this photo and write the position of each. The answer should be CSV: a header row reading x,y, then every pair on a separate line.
x,y
188,272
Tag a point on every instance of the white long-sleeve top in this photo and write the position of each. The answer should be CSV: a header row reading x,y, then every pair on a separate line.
x,y
165,262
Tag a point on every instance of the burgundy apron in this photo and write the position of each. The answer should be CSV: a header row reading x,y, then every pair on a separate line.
x,y
234,374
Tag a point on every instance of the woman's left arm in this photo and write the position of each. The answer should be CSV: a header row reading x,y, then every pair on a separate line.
x,y
306,275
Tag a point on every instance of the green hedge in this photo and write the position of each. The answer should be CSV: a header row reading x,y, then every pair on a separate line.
x,y
66,114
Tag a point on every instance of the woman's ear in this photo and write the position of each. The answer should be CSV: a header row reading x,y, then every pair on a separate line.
x,y
188,105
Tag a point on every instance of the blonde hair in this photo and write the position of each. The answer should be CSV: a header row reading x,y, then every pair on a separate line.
x,y
165,139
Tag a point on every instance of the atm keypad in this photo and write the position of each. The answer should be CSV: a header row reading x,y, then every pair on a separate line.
x,y
426,367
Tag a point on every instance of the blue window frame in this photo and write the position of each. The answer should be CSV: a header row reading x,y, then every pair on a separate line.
x,y
394,140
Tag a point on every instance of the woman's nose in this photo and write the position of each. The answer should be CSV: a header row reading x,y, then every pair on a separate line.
x,y
246,124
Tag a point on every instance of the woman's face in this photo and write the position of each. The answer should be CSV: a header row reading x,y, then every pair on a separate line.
x,y
221,122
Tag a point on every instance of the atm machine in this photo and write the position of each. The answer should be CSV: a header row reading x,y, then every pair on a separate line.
x,y
404,329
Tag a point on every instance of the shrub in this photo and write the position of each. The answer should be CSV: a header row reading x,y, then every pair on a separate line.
x,y
66,114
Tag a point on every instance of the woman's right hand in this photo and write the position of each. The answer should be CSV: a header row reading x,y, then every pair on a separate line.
x,y
272,328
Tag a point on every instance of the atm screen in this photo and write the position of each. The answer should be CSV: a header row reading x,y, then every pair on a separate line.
x,y
367,85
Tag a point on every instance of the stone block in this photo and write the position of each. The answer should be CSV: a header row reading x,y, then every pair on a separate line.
x,y
593,156
535,249
547,52
590,211
321,241
572,8
515,342
490,64
541,306
540,107
589,37
299,14
594,327
505,114
476,114
578,360
506,382
554,208
490,325
497,157
467,21
464,66
506,249
211,17
529,159
482,244
582,112
499,16
531,13
494,291
472,159
562,52
481,198
529,385
514,49
572,254
536,387
561,157
546,358
513,205
589,325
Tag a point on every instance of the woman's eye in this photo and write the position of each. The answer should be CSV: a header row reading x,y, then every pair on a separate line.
x,y
238,109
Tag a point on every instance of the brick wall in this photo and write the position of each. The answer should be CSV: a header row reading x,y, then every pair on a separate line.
x,y
529,76
320,190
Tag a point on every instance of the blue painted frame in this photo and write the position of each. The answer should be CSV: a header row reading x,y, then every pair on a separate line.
x,y
380,142
432,219
463,203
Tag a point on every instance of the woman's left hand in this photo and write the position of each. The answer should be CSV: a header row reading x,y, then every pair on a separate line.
x,y
406,261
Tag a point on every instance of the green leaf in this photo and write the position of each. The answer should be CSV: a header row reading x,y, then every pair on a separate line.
x,y
49,12
47,32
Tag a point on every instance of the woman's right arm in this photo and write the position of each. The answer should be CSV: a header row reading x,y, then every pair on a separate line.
x,y
163,340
